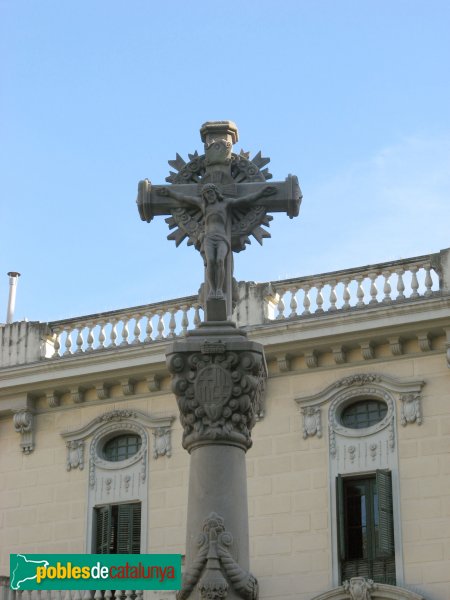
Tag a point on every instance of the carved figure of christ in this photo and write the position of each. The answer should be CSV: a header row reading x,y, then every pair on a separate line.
x,y
216,239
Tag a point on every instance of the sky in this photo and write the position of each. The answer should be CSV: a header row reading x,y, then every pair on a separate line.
x,y
352,96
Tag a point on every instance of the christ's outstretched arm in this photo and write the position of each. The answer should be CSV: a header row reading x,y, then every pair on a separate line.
x,y
183,198
267,190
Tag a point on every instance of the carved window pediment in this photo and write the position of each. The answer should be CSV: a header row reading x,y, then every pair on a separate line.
x,y
115,422
358,588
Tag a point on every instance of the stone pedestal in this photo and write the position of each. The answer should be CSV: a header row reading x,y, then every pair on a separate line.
x,y
219,380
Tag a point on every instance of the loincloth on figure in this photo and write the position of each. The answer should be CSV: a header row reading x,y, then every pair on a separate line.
x,y
212,241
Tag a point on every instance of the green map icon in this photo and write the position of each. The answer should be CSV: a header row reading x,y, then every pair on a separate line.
x,y
23,569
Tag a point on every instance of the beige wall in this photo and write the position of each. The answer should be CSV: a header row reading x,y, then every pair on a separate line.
x,y
43,507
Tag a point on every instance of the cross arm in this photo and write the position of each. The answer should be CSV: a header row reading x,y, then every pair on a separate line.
x,y
154,200
284,196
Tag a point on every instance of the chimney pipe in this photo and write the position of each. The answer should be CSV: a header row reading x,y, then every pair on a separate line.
x,y
13,277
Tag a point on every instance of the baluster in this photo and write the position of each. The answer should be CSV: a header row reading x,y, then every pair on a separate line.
x,y
139,595
98,595
400,284
118,594
172,323
79,341
184,320
77,595
197,319
387,287
67,595
101,336
113,336
346,294
333,297
58,595
90,338
125,331
128,594
56,344
149,329
108,595
414,282
37,594
373,288
160,327
87,595
26,595
306,300
281,305
137,331
68,343
293,304
428,281
319,298
360,291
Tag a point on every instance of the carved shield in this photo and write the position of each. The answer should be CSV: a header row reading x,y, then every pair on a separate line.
x,y
213,388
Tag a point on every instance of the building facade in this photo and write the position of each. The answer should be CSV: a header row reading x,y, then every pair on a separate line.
x,y
349,472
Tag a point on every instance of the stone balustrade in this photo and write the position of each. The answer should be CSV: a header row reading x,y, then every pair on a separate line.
x,y
373,285
8,594
383,284
127,327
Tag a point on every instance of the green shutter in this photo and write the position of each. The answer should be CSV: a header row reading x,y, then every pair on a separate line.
x,y
340,517
385,517
102,529
129,529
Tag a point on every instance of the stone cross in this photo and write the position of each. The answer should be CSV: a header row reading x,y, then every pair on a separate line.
x,y
217,201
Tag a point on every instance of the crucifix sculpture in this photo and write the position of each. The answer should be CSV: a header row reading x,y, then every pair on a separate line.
x,y
217,201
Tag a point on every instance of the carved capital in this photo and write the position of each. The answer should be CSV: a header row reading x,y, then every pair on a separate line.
x,y
53,399
311,359
128,387
219,391
214,569
396,346
284,363
312,422
154,383
424,342
367,351
102,391
23,424
411,410
339,355
77,394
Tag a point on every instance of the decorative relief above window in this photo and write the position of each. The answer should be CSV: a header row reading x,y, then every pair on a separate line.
x,y
119,440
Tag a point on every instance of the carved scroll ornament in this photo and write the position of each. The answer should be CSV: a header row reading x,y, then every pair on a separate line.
x,y
214,569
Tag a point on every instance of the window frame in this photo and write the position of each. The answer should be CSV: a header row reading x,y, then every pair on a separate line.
x,y
119,526
380,549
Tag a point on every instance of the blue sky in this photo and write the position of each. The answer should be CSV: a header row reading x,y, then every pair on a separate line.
x,y
351,96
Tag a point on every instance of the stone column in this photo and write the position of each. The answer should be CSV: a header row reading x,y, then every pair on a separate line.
x,y
218,379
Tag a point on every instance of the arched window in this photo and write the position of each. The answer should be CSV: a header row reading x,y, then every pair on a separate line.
x,y
363,413
122,447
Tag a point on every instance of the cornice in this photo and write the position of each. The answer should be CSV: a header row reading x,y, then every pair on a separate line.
x,y
336,333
